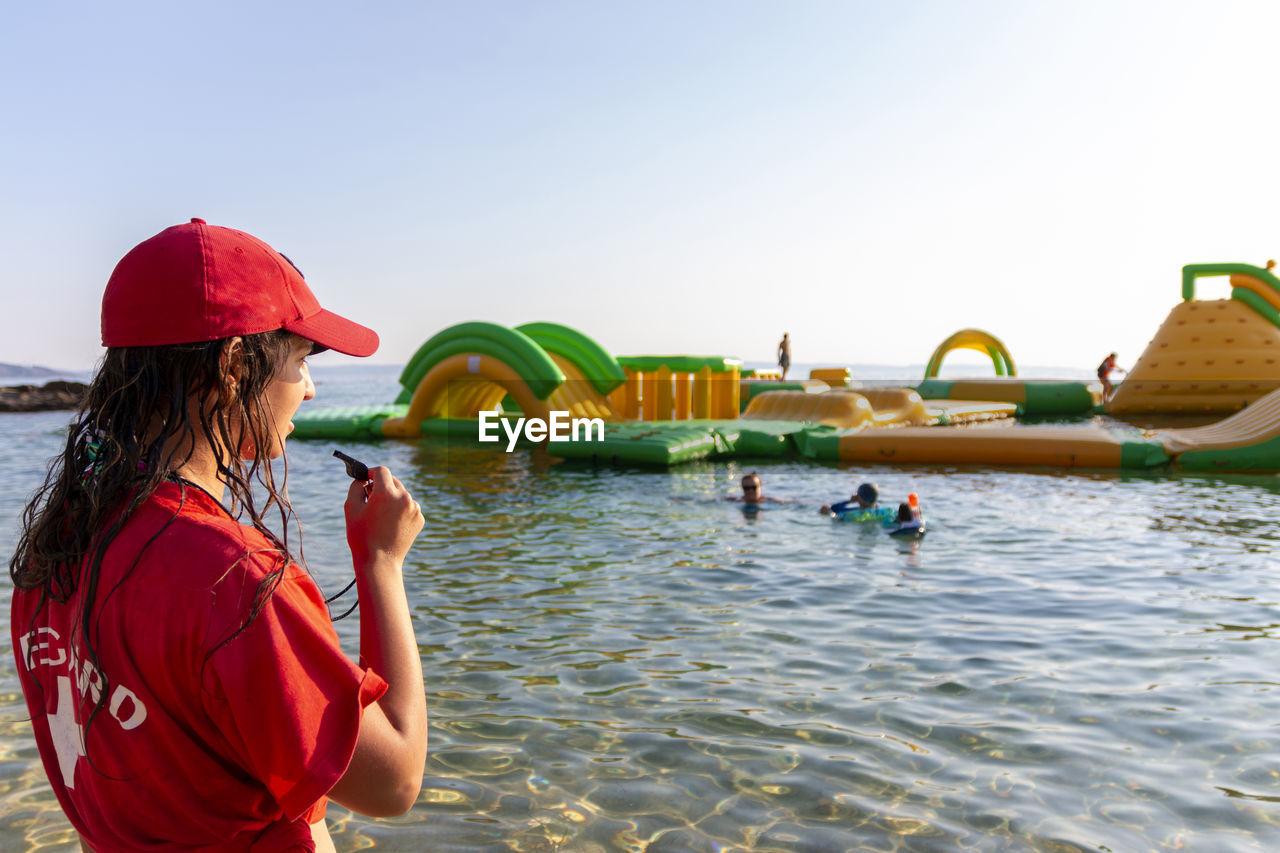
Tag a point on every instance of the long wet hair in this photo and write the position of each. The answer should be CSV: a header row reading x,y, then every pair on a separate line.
x,y
136,426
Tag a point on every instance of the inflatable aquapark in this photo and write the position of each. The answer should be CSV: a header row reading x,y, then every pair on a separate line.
x,y
1210,358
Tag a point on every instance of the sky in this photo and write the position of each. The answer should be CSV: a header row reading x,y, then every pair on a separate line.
x,y
696,176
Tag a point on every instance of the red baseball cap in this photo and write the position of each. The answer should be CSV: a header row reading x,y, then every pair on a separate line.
x,y
199,282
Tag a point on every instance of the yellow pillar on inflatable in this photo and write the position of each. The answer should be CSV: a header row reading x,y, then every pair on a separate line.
x,y
649,396
701,394
631,395
683,392
725,394
664,405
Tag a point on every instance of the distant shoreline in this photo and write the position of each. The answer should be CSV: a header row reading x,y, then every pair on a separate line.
x,y
57,395
7,369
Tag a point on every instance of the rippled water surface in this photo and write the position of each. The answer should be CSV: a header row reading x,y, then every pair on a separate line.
x,y
625,661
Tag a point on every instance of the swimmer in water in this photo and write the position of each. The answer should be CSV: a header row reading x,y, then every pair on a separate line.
x,y
909,523
753,496
864,498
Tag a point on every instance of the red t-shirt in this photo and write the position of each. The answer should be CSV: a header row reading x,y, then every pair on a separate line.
x,y
199,746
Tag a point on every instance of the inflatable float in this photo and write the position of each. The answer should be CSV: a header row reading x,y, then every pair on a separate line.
x,y
1217,356
1209,356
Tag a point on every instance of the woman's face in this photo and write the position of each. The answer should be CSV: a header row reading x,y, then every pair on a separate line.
x,y
285,393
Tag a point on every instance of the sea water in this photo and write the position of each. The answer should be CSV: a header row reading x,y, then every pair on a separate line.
x,y
625,660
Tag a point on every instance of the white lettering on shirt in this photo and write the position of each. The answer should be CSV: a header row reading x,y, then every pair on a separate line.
x,y
32,647
39,648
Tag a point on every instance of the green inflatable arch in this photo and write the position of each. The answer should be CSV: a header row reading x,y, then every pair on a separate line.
x,y
599,367
515,349
1191,272
1268,279
974,339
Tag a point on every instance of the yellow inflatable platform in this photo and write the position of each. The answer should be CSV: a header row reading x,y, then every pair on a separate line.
x,y
1246,441
870,407
1011,445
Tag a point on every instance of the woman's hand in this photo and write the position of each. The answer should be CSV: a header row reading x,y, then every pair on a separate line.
x,y
383,519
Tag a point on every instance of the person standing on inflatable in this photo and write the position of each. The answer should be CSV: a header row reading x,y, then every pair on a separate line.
x,y
784,354
1104,375
184,679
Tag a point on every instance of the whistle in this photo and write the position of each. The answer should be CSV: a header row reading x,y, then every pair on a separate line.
x,y
356,469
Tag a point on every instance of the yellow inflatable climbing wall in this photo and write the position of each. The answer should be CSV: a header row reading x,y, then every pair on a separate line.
x,y
1209,356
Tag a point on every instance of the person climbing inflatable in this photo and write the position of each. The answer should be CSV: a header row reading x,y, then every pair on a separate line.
x,y
1104,375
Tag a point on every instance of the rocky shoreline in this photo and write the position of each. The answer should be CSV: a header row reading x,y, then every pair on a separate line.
x,y
48,397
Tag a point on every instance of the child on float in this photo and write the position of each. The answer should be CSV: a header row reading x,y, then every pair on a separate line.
x,y
864,497
910,521
863,505
185,682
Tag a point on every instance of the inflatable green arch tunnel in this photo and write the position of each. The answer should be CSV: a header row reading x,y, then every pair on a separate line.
x,y
526,349
476,366
973,339
600,369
